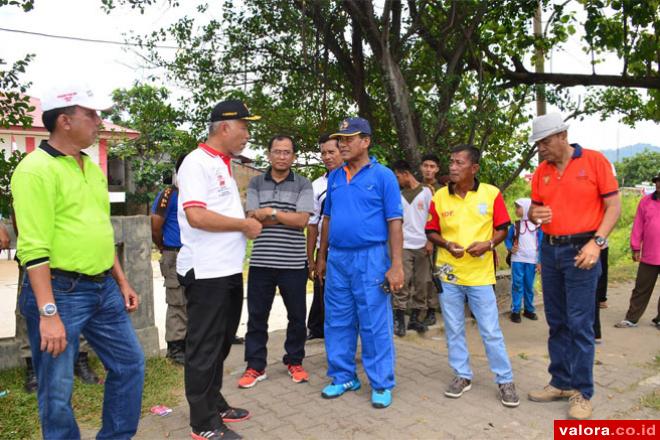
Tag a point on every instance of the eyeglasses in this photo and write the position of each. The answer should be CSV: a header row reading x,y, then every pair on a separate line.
x,y
283,153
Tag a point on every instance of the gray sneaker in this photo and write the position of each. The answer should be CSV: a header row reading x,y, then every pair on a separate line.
x,y
458,386
508,395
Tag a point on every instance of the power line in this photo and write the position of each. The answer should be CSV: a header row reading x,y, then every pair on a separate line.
x,y
86,40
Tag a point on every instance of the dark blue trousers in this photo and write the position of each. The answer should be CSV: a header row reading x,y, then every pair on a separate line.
x,y
568,294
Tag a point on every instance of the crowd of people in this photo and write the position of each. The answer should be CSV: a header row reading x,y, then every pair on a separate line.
x,y
379,242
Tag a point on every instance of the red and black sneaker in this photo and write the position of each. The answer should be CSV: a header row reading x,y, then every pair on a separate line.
x,y
231,415
222,433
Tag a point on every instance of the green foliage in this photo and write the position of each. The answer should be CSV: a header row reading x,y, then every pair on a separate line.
x,y
451,72
621,264
14,104
152,155
639,168
26,5
7,166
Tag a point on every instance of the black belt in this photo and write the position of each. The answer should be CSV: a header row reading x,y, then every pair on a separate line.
x,y
98,278
559,240
172,248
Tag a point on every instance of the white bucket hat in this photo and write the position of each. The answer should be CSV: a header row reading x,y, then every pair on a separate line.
x,y
547,125
79,93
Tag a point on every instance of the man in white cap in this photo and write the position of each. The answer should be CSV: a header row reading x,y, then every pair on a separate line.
x,y
74,283
576,200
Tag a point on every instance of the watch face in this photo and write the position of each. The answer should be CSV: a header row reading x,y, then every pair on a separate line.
x,y
50,309
600,241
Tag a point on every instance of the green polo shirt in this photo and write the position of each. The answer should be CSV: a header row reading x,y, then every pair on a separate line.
x,y
62,213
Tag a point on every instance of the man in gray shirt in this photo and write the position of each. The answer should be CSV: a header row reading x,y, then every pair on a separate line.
x,y
282,201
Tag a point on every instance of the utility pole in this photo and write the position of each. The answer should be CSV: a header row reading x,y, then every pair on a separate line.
x,y
540,62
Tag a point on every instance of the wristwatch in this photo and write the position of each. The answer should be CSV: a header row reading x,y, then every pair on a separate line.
x,y
273,214
600,241
492,244
49,309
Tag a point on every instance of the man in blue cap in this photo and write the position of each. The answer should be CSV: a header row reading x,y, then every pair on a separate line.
x,y
363,212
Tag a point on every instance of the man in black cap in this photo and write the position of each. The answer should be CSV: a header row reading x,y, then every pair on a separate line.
x,y
214,233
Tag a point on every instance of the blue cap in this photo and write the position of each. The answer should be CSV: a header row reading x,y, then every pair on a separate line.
x,y
353,126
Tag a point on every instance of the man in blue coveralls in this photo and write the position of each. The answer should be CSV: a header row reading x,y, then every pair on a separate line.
x,y
363,212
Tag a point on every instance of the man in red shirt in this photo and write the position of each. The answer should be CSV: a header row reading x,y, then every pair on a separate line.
x,y
575,198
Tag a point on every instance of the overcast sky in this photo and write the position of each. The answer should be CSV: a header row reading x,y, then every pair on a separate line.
x,y
108,66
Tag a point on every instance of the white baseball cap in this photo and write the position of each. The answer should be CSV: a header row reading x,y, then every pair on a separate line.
x,y
547,125
66,95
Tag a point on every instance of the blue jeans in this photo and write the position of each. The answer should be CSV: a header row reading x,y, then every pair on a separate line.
x,y
522,286
568,296
356,303
481,300
97,311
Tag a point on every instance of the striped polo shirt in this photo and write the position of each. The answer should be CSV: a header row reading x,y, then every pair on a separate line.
x,y
280,246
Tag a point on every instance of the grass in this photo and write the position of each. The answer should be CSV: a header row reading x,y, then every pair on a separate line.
x,y
20,419
652,400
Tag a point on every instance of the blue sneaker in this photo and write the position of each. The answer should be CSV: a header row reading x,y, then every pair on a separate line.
x,y
332,391
381,398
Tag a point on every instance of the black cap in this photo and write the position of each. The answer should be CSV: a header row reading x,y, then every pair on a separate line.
x,y
656,178
232,109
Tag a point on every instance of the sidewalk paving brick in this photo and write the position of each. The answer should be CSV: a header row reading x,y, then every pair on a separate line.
x,y
282,409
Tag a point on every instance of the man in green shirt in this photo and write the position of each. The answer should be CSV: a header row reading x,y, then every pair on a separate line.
x,y
74,284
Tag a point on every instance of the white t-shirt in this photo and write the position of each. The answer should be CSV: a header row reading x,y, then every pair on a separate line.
x,y
320,187
205,180
527,244
415,215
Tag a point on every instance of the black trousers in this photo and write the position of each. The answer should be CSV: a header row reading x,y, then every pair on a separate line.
x,y
262,282
601,290
214,311
316,318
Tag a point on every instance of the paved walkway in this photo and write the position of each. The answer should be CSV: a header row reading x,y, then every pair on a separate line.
x,y
280,409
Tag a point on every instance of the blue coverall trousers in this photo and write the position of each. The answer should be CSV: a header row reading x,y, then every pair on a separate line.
x,y
355,302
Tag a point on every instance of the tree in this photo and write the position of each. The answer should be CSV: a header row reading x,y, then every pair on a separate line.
x,y
639,168
152,155
14,104
7,166
427,73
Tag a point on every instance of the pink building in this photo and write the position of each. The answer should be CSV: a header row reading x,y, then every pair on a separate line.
x,y
26,140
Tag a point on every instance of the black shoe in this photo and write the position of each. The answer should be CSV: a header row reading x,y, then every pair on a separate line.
x,y
176,350
415,323
222,433
430,318
237,340
399,323
231,415
530,315
515,317
82,369
31,384
313,335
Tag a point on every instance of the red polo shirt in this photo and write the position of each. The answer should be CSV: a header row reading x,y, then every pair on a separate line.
x,y
576,196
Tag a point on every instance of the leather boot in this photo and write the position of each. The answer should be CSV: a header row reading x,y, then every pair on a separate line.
x,y
176,351
399,323
429,320
415,323
84,372
30,377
